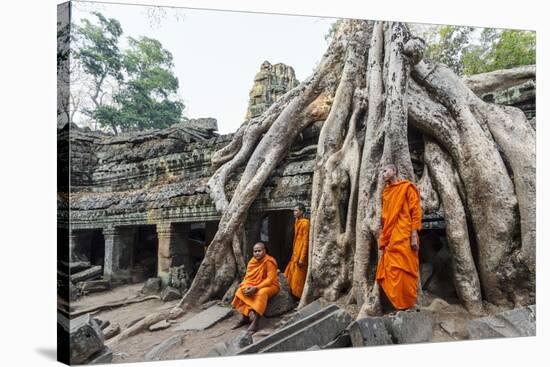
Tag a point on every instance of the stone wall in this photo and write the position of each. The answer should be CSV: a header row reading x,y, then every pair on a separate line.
x,y
134,180
522,96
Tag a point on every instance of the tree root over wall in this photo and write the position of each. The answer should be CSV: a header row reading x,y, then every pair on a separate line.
x,y
371,85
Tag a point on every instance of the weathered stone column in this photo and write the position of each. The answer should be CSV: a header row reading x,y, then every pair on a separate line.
x,y
118,253
73,238
173,248
110,264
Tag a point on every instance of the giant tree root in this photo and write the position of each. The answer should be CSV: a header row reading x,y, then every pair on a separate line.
x,y
370,87
144,324
111,305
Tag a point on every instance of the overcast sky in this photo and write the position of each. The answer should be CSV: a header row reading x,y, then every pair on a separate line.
x,y
217,53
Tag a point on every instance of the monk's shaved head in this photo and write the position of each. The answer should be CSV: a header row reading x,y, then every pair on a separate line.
x,y
389,172
261,244
259,250
391,166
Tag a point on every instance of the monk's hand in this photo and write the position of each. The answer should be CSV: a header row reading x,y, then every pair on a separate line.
x,y
252,290
246,291
301,264
414,240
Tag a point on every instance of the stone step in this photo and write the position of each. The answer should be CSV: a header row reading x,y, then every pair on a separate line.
x,y
86,339
232,346
206,318
93,286
512,323
319,328
164,347
304,312
89,274
78,266
412,326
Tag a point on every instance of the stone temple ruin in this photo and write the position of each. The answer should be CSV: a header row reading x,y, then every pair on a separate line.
x,y
140,208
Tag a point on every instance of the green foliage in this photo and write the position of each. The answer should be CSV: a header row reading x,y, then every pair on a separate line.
x,y
146,96
99,52
514,48
468,52
449,44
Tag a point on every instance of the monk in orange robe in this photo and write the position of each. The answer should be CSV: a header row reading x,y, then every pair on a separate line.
x,y
259,284
296,269
397,271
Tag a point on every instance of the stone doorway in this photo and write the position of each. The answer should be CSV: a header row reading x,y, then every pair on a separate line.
x,y
276,229
88,245
144,257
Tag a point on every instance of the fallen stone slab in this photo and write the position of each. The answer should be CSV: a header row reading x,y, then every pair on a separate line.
x,y
167,345
513,323
161,325
231,347
304,312
102,357
170,294
369,331
151,286
282,302
449,326
103,323
341,341
206,318
74,292
111,330
209,304
411,326
89,274
317,329
77,266
93,286
86,339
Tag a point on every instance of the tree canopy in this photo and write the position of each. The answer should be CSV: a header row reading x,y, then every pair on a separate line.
x,y
469,51
146,94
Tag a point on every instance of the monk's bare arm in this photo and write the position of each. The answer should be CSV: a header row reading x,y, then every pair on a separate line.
x,y
305,242
416,215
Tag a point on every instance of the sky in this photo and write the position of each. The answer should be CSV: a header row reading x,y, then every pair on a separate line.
x,y
216,54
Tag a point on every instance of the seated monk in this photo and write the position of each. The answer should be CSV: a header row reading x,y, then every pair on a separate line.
x,y
259,284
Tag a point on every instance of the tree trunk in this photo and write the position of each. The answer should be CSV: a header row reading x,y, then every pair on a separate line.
x,y
370,87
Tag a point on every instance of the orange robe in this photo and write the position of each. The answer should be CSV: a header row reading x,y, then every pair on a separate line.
x,y
397,271
295,274
263,275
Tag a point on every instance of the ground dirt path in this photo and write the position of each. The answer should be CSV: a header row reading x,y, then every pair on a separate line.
x,y
451,321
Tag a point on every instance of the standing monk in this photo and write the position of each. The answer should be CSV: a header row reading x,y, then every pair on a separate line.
x,y
397,271
296,269
259,284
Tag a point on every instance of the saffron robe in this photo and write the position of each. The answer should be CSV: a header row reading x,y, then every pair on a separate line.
x,y
263,275
296,275
397,271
